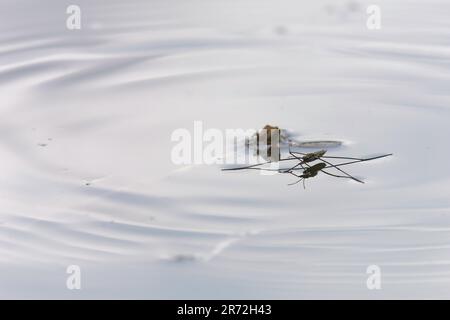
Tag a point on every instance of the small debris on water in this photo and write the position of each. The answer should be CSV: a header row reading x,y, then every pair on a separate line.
x,y
183,258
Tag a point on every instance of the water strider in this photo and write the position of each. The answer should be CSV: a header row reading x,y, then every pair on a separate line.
x,y
309,171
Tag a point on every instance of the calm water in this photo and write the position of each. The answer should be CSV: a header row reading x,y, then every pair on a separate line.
x,y
87,178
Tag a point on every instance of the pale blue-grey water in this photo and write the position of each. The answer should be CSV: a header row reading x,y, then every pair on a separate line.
x,y
87,179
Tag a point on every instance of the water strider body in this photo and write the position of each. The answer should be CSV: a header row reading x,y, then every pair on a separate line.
x,y
309,172
313,170
306,158
310,157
